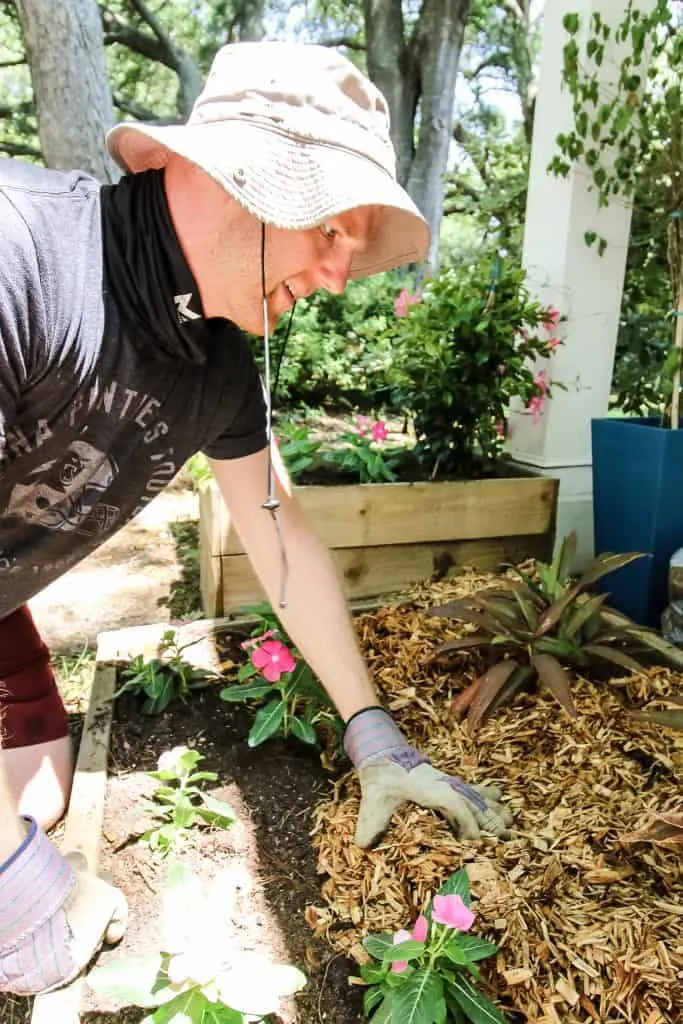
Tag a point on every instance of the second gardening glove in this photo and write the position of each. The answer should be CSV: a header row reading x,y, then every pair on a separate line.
x,y
392,772
53,918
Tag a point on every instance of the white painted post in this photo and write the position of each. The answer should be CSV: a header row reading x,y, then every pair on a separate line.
x,y
563,271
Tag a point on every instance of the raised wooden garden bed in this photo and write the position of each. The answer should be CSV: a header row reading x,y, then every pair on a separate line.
x,y
386,537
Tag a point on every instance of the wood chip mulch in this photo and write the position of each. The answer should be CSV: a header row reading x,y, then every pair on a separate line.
x,y
589,926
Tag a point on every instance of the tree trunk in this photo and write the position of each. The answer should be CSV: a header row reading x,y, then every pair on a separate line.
x,y
63,40
417,76
442,28
249,18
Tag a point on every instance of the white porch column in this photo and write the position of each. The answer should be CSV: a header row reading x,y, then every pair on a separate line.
x,y
584,286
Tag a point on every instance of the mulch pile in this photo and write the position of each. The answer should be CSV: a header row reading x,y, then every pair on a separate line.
x,y
589,924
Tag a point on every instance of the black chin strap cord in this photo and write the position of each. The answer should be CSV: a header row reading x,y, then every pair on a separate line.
x,y
272,504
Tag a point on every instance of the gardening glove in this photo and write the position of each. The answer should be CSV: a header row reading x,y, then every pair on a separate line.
x,y
392,772
53,917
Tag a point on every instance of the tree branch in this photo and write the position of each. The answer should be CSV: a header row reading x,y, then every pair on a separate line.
x,y
19,148
12,63
497,59
129,106
142,43
152,22
9,110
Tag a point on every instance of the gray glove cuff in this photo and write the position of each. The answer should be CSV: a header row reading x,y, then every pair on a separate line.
x,y
372,734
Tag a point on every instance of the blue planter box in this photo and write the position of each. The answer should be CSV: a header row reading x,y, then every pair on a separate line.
x,y
638,506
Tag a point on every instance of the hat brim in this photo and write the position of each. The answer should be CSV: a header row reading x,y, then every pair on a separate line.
x,y
288,182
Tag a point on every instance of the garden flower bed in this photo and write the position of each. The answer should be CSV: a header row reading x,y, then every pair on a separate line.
x,y
587,921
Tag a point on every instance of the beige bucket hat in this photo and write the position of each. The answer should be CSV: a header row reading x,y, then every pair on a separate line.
x,y
296,134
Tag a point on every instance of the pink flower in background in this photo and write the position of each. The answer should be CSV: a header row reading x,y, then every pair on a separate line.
x,y
500,428
451,911
379,431
399,966
552,318
273,658
535,407
541,381
363,425
553,343
420,929
404,301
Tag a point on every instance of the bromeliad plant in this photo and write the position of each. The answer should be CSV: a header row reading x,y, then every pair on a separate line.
x,y
539,628
295,702
429,975
199,975
163,679
178,803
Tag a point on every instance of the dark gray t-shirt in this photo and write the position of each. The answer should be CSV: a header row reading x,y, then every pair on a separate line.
x,y
93,422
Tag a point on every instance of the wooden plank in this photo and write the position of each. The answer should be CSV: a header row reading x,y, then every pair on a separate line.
x,y
368,572
377,514
213,524
83,824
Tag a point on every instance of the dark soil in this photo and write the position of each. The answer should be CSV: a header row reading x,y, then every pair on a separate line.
x,y
273,789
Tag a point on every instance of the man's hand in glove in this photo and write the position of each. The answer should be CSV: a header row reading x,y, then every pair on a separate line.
x,y
392,772
53,918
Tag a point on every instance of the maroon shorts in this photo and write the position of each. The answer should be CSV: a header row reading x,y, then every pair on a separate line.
x,y
31,710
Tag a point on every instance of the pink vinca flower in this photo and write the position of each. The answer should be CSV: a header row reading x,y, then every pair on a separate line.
x,y
399,966
273,658
379,431
451,911
420,929
404,301
553,343
363,425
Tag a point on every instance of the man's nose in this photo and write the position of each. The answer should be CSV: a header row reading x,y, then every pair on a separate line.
x,y
335,272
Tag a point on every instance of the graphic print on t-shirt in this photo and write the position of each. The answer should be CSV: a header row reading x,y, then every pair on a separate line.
x,y
65,494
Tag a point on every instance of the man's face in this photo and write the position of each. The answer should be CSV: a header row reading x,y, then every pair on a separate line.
x,y
298,263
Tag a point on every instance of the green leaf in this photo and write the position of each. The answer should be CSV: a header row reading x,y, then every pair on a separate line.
x,y
371,999
417,1001
303,731
384,1014
242,692
555,679
457,885
476,1007
217,812
408,950
474,948
132,980
571,23
582,613
615,656
671,718
377,945
267,722
246,671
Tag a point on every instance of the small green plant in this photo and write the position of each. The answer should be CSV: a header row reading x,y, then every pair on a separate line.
x,y
164,679
178,803
536,626
295,702
429,975
361,454
297,448
200,975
